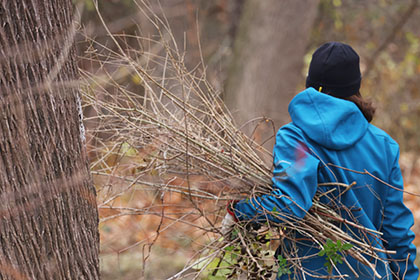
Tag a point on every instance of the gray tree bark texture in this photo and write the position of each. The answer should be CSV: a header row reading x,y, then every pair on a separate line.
x,y
48,214
268,60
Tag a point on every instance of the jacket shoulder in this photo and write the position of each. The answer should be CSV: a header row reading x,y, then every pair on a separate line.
x,y
384,143
376,131
291,129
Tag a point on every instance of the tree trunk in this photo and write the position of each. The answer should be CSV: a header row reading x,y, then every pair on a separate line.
x,y
48,214
268,60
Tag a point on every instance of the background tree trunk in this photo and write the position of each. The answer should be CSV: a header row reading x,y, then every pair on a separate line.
x,y
48,214
268,60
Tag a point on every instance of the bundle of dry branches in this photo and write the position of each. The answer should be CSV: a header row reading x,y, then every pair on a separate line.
x,y
181,128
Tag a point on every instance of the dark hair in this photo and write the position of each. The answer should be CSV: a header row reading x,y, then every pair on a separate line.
x,y
365,106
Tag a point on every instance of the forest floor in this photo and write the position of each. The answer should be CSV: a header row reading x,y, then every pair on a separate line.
x,y
125,241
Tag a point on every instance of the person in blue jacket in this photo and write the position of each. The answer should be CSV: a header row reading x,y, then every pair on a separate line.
x,y
331,129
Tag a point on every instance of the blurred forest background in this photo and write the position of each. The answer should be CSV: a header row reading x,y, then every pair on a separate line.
x,y
256,54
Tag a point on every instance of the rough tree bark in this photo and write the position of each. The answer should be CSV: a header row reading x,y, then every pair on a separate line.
x,y
48,214
268,59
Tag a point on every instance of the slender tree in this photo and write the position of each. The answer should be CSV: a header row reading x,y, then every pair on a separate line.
x,y
48,214
268,58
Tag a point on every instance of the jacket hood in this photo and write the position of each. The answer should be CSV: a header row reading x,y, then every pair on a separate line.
x,y
329,121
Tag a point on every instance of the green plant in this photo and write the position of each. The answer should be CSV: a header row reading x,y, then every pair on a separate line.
x,y
283,267
333,252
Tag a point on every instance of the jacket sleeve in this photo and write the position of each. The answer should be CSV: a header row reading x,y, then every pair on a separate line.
x,y
398,220
294,181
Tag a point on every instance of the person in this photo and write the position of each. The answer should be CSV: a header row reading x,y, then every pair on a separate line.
x,y
330,139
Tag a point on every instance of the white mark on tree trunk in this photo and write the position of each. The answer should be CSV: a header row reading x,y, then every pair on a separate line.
x,y
81,125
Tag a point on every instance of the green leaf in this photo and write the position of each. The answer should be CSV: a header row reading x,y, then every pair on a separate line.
x,y
234,234
347,246
215,277
283,267
327,264
229,248
202,262
321,253
339,243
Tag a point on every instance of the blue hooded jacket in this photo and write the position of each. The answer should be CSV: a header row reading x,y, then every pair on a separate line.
x,y
327,133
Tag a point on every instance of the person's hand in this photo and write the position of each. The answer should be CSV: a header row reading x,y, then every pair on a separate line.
x,y
229,220
227,223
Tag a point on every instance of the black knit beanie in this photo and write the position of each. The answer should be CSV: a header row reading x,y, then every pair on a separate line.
x,y
335,68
